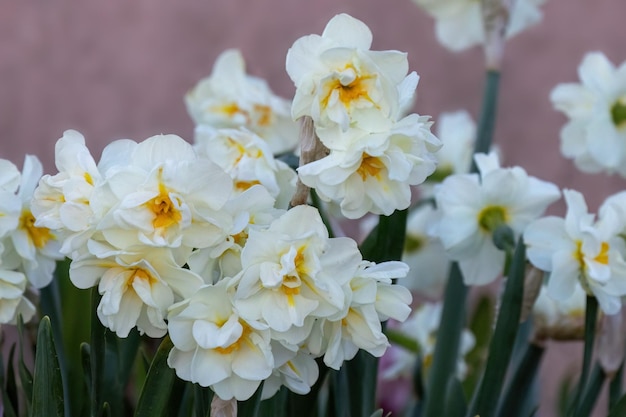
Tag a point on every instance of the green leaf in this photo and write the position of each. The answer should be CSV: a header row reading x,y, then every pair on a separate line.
x,y
503,340
591,318
487,121
456,405
97,351
307,405
386,241
592,390
8,387
26,377
202,400
339,401
362,375
447,345
619,409
519,387
156,391
616,386
481,326
47,400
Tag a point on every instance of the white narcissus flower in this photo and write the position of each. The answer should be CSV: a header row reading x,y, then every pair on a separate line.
x,y
370,298
12,300
375,170
214,346
137,289
425,254
579,250
295,369
423,326
457,133
248,160
595,135
473,206
165,196
459,23
37,247
293,270
230,98
61,202
339,81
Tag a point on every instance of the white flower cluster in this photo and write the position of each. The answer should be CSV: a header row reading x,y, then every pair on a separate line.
x,y
176,244
230,98
28,253
595,135
579,250
357,99
459,23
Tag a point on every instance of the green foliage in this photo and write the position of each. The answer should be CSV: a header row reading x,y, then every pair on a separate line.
x,y
47,395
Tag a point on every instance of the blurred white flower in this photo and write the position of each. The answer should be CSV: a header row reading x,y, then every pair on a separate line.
x,y
457,133
214,346
595,135
473,206
459,23
578,249
425,254
560,319
339,81
375,171
423,326
248,160
230,98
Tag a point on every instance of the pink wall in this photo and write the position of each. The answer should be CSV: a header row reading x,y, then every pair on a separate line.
x,y
120,68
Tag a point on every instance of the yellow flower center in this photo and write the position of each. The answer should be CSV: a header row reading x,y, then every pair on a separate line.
x,y
264,115
370,167
602,257
358,89
39,236
491,217
165,212
236,344
618,112
141,275
244,185
413,243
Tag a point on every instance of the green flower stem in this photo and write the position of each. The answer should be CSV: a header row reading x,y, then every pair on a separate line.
x,y
97,351
591,317
503,340
398,338
521,383
447,346
318,203
487,121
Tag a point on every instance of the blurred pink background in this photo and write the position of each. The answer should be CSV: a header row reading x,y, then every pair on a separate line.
x,y
119,68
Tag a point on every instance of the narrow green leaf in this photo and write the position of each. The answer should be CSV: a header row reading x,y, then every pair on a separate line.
x,y
520,385
47,400
252,406
340,399
386,241
481,326
592,390
155,393
362,394
202,400
447,345
503,340
11,394
456,404
186,403
591,318
320,208
9,403
26,377
97,351
307,405
619,409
